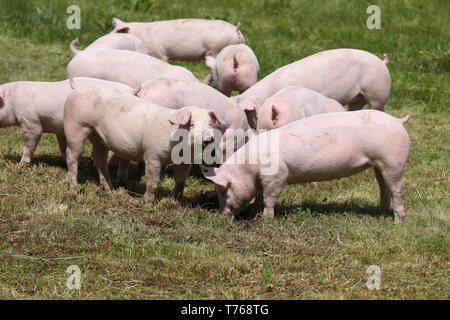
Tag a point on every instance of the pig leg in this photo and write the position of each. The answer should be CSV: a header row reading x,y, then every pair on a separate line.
x,y
62,143
385,193
122,172
180,174
113,162
357,103
100,155
141,169
397,202
259,200
396,188
377,93
31,136
157,50
163,58
152,174
394,182
272,188
376,103
76,138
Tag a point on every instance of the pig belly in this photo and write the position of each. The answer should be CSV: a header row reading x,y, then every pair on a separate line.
x,y
53,125
186,53
123,138
324,160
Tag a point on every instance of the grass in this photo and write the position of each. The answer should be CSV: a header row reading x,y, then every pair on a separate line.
x,y
322,239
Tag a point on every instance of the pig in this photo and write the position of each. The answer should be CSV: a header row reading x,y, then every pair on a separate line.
x,y
37,107
132,128
122,41
351,77
235,68
182,39
127,67
294,103
322,147
175,94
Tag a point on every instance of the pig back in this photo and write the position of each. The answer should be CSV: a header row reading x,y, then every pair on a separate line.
x,y
335,145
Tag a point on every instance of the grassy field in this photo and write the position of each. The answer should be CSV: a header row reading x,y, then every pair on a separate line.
x,y
322,239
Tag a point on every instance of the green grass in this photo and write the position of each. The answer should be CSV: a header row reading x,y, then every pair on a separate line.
x,y
322,239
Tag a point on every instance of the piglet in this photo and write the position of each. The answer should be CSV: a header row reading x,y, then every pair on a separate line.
x,y
127,67
323,147
349,76
235,68
182,39
38,107
133,129
294,103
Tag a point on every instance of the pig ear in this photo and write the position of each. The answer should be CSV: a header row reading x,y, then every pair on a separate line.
x,y
120,26
210,61
213,175
216,118
183,117
275,113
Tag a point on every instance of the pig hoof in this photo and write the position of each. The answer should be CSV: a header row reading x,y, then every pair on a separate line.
x,y
24,164
113,163
268,213
398,219
385,213
150,204
149,201
106,187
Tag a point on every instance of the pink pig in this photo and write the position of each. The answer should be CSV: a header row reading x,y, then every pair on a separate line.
x,y
127,67
122,41
133,129
38,107
349,76
235,68
183,39
322,147
294,103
